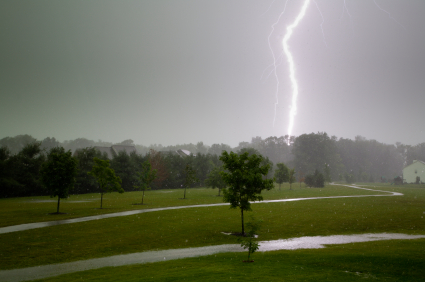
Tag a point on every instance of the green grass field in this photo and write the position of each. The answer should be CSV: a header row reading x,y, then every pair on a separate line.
x,y
35,209
202,226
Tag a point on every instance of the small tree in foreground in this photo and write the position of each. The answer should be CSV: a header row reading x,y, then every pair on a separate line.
x,y
58,173
105,177
244,177
215,180
281,174
146,176
189,179
248,242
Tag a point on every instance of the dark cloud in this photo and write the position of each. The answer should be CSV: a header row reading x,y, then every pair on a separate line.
x,y
186,71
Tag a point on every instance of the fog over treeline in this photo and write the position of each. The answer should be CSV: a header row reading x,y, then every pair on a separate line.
x,y
358,160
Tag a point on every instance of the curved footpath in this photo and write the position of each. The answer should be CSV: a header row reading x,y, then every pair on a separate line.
x,y
29,226
314,242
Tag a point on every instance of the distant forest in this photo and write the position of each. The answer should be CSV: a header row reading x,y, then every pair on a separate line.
x,y
358,160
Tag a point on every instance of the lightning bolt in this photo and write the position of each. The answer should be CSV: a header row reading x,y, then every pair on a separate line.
x,y
287,53
289,31
274,61
388,13
321,25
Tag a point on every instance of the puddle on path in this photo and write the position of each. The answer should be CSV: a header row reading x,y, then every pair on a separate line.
x,y
28,226
316,242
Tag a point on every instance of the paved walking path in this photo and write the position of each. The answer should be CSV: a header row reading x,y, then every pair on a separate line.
x,y
45,271
28,226
315,242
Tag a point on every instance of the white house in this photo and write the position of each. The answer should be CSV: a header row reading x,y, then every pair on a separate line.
x,y
411,172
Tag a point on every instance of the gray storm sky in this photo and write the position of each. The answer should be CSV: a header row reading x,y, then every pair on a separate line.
x,y
181,71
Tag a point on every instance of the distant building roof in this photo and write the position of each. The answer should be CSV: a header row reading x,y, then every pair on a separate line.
x,y
415,161
180,152
183,153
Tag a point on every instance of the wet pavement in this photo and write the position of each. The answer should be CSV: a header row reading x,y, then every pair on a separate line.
x,y
313,242
29,226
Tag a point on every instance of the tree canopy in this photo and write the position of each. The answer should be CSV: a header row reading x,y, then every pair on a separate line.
x,y
58,173
281,174
244,177
146,176
105,177
215,180
190,178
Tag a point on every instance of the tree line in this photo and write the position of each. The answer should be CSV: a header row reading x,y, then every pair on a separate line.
x,y
21,158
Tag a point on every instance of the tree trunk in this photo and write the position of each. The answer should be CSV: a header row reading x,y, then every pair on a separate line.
x,y
59,199
143,196
279,186
219,191
243,229
101,199
184,196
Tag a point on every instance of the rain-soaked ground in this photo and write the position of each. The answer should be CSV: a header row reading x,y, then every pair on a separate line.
x,y
28,226
315,242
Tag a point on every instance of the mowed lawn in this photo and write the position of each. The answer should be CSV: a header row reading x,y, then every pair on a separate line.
x,y
37,209
397,260
202,226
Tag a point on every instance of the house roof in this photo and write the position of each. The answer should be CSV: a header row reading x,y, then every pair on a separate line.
x,y
415,161
180,152
183,153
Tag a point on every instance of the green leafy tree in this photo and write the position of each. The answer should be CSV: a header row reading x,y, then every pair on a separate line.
x,y
85,183
215,180
105,177
244,177
281,174
8,183
125,169
309,180
146,176
248,242
26,167
319,179
311,151
315,180
58,173
291,178
190,178
17,143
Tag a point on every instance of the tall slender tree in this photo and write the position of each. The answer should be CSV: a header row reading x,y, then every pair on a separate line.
x,y
281,174
190,178
105,177
146,176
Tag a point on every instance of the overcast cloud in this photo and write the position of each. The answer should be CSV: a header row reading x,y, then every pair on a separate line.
x,y
183,71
